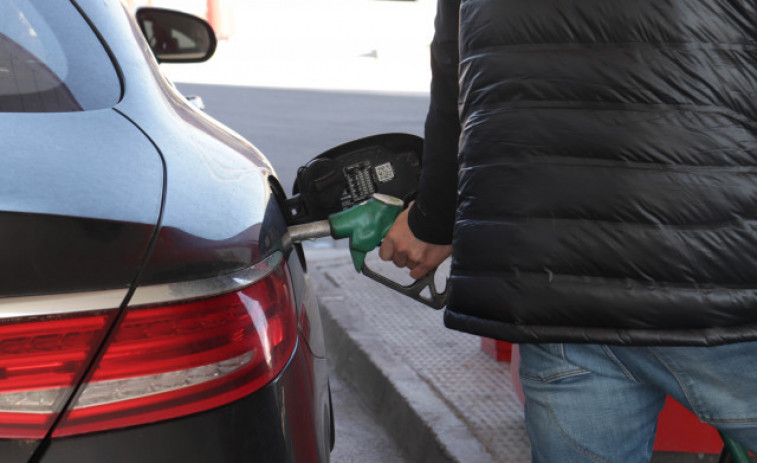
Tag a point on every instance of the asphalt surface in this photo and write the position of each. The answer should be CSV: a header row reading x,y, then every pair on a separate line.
x,y
359,436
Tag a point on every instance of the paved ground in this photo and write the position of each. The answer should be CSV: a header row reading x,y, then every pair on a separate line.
x,y
360,439
438,395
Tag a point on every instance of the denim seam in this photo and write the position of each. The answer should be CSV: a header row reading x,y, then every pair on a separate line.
x,y
611,355
579,448
681,384
562,351
555,377
713,421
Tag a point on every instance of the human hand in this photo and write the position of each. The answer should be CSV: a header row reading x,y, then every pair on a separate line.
x,y
405,250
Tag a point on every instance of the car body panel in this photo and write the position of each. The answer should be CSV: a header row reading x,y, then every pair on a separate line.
x,y
77,212
208,165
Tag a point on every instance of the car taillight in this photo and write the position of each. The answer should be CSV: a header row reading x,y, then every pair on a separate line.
x,y
170,361
160,362
41,359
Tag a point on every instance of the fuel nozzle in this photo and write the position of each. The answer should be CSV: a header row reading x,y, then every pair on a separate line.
x,y
365,225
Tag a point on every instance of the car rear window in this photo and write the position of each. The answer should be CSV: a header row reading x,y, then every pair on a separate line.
x,y
51,60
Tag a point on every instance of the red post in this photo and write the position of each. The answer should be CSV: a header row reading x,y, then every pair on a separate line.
x,y
499,350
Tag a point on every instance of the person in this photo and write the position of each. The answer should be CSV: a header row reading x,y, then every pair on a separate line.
x,y
591,166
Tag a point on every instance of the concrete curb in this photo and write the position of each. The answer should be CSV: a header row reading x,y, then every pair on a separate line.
x,y
424,426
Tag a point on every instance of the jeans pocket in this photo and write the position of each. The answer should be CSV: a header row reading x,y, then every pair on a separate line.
x,y
546,363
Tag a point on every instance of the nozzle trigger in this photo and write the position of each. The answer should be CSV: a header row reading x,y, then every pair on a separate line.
x,y
437,300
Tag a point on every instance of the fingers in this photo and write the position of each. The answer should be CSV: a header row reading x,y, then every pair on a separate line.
x,y
413,258
394,246
419,272
397,253
402,247
433,256
386,250
400,259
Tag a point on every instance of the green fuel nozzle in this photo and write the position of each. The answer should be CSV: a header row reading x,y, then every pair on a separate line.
x,y
365,225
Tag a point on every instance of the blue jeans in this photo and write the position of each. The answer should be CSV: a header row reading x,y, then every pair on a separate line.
x,y
595,403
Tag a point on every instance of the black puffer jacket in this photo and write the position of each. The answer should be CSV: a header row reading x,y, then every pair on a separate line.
x,y
607,187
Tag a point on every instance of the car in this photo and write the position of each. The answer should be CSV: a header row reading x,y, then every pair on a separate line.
x,y
151,306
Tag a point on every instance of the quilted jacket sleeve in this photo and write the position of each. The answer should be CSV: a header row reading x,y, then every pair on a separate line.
x,y
432,217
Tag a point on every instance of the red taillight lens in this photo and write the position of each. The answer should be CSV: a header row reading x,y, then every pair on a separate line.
x,y
160,362
165,362
41,359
